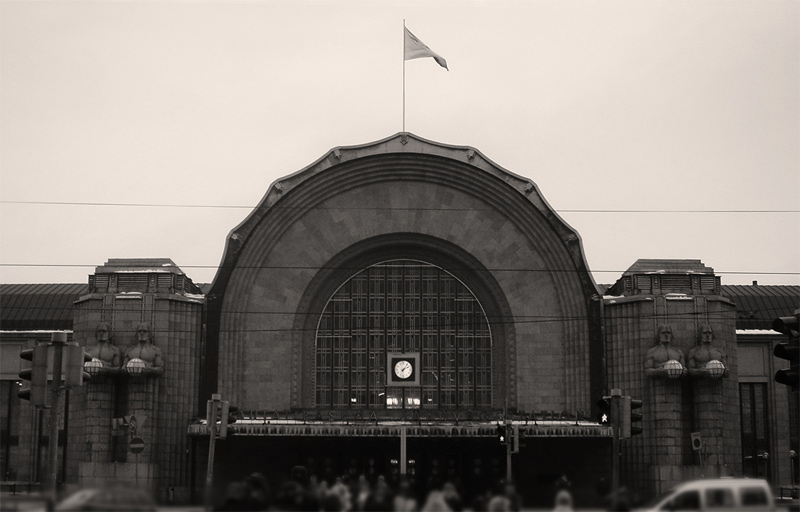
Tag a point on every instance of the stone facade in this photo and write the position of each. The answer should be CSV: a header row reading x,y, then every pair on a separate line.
x,y
404,198
557,344
125,293
673,409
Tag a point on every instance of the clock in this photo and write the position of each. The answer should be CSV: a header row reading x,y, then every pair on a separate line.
x,y
402,369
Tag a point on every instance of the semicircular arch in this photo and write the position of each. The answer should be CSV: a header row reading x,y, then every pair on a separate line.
x,y
352,198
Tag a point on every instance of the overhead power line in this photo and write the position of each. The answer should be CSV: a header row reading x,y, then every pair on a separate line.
x,y
297,267
441,323
387,208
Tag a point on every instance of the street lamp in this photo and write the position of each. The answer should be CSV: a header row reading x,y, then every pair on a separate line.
x,y
93,367
674,369
715,369
135,367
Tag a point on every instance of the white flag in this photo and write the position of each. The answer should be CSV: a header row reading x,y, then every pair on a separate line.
x,y
416,49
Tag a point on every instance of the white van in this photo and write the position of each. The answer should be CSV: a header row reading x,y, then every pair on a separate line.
x,y
743,494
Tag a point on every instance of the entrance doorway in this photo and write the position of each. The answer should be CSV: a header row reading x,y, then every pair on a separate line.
x,y
755,429
472,465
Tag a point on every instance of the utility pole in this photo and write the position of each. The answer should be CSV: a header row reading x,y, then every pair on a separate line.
x,y
509,433
216,409
212,408
58,340
616,407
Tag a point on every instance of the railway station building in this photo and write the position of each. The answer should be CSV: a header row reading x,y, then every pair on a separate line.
x,y
382,312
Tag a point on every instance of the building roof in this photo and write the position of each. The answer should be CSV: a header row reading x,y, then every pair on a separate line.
x,y
758,305
646,266
662,276
31,307
138,265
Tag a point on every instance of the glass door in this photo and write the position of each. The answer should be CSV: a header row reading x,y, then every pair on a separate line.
x,y
755,429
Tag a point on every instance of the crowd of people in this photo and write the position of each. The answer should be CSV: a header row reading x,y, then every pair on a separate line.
x,y
303,492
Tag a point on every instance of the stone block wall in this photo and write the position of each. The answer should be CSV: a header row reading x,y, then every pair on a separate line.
x,y
540,320
163,404
107,474
672,409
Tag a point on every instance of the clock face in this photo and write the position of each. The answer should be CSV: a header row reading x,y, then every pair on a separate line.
x,y
403,369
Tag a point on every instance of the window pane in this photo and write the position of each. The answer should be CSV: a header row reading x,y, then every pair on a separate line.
x,y
747,423
719,498
689,500
394,398
760,411
754,496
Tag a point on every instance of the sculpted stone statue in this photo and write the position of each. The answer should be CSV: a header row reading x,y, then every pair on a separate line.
x,y
104,349
658,356
146,351
704,351
662,352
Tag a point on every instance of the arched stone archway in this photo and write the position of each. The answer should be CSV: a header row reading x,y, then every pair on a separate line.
x,y
402,197
404,246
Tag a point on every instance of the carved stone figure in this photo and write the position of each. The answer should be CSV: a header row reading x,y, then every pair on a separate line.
x,y
146,351
662,352
704,351
104,349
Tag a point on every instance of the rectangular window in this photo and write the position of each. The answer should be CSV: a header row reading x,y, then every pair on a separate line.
x,y
394,398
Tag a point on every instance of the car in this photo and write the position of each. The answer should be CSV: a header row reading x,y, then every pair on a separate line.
x,y
738,494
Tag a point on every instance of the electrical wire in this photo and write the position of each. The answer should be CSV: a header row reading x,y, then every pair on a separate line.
x,y
371,208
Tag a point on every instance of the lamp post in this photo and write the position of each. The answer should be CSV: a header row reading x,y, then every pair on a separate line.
x,y
57,341
616,406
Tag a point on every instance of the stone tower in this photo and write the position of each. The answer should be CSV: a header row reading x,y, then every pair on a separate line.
x,y
128,425
693,400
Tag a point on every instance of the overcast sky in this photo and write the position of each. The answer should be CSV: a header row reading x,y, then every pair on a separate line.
x,y
657,129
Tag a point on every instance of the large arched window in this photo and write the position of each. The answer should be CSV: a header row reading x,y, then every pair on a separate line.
x,y
407,307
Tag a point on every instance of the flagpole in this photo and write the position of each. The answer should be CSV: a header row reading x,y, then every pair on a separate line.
x,y
404,75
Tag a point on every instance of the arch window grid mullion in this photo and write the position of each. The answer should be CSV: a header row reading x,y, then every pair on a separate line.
x,y
394,339
410,307
359,356
448,376
377,335
430,337
367,305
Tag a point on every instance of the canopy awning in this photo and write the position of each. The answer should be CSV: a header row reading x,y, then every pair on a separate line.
x,y
295,428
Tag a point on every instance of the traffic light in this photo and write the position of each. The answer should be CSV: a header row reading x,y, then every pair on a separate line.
x,y
789,350
223,419
36,374
501,434
628,417
222,412
604,416
75,358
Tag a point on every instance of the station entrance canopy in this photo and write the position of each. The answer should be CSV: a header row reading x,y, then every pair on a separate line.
x,y
455,424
